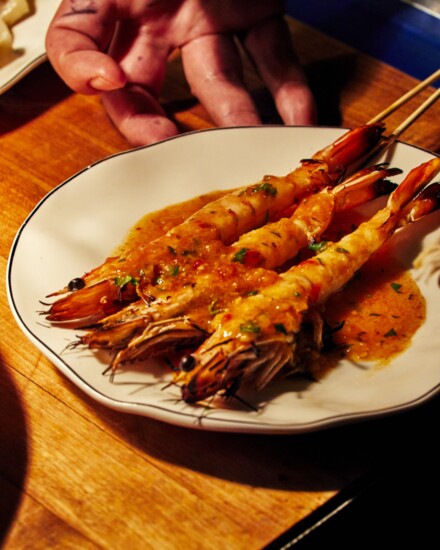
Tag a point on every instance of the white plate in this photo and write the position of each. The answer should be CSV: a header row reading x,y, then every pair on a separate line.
x,y
28,48
77,225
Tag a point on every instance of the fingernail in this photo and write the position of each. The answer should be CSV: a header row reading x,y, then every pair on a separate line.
x,y
101,84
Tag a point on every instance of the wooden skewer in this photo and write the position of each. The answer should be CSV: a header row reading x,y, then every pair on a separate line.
x,y
387,141
406,97
420,110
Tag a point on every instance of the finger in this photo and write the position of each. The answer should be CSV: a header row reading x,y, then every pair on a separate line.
x,y
270,47
138,115
75,41
141,54
213,70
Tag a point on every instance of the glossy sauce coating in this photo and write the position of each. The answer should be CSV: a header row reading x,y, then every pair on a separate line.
x,y
380,309
155,224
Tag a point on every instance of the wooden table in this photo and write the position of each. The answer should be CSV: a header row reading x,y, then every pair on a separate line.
x,y
74,474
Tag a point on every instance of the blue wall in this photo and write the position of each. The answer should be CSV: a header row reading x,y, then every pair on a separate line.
x,y
391,30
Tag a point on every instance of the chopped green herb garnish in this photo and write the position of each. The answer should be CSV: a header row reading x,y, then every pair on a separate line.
x,y
250,326
391,332
240,255
374,314
251,293
317,247
267,188
279,327
122,281
172,251
214,308
396,287
342,250
174,270
297,294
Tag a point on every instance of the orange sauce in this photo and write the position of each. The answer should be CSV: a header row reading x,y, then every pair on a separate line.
x,y
381,310
155,224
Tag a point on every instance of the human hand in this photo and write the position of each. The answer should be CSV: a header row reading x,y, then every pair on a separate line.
x,y
120,49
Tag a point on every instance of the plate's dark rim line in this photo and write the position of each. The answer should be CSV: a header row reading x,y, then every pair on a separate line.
x,y
200,421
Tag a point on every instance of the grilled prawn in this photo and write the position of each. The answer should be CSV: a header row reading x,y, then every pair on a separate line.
x,y
153,326
259,336
112,286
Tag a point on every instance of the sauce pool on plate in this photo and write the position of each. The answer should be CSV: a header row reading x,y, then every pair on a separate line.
x,y
379,311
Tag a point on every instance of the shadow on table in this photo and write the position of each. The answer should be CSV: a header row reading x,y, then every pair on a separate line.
x,y
327,79
27,100
394,504
13,451
323,460
387,469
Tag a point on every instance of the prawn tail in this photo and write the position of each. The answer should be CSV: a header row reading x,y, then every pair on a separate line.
x,y
353,148
427,201
364,185
416,180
